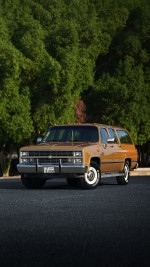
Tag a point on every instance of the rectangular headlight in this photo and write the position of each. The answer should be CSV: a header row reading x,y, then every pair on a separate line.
x,y
74,161
77,154
24,153
24,160
77,160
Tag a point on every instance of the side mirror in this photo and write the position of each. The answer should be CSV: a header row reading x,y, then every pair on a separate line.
x,y
110,140
39,140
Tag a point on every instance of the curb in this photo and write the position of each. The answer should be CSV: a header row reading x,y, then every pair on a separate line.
x,y
10,177
140,172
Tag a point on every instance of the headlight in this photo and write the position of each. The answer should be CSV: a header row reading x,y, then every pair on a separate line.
x,y
74,161
24,153
77,153
24,161
77,160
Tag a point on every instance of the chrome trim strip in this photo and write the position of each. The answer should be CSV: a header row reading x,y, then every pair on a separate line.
x,y
114,174
112,162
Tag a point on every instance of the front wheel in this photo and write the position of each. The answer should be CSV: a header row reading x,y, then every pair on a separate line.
x,y
91,179
32,183
123,180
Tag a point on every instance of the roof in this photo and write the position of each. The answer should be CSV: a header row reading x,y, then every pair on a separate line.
x,y
89,124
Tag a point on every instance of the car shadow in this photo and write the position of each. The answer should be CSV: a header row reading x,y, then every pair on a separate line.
x,y
54,184
50,184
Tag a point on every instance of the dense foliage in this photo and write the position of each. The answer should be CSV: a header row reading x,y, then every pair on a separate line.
x,y
56,56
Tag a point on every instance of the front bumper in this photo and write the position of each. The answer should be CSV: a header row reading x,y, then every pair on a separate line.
x,y
58,169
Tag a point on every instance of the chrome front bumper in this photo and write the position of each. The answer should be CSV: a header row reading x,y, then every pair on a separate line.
x,y
58,169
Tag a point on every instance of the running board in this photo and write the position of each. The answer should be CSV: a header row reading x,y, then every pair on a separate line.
x,y
111,174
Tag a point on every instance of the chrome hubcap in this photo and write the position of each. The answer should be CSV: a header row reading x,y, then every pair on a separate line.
x,y
126,172
92,176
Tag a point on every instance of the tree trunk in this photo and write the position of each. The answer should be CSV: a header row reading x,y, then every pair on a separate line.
x,y
6,163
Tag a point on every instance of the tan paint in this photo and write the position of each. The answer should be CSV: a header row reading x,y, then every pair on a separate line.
x,y
112,156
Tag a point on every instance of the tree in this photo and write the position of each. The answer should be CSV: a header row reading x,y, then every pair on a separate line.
x,y
123,99
120,94
56,53
15,106
15,119
80,112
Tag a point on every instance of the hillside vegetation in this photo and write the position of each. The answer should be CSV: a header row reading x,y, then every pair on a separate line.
x,y
66,61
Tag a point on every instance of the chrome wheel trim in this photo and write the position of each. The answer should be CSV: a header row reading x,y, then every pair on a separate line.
x,y
91,176
126,172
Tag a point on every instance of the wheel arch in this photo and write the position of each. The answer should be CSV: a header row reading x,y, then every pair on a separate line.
x,y
96,160
129,161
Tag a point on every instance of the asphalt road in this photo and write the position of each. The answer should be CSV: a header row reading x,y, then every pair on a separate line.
x,y
65,226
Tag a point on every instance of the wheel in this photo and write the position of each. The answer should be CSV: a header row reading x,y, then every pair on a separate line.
x,y
91,179
32,183
123,180
72,181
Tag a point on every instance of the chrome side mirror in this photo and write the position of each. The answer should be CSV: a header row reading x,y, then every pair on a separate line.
x,y
110,140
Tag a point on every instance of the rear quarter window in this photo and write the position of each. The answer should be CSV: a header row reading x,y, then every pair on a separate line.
x,y
113,134
124,137
103,135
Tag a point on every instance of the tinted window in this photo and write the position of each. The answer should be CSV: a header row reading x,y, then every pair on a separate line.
x,y
72,134
103,135
112,134
124,137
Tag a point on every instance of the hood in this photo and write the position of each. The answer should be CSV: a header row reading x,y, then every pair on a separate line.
x,y
58,146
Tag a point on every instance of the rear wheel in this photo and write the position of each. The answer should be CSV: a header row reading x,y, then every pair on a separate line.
x,y
32,183
91,179
123,180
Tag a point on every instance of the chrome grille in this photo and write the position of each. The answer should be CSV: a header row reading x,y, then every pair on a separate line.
x,y
51,153
53,160
53,157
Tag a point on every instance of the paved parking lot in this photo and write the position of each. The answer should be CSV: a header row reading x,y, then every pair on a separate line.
x,y
65,226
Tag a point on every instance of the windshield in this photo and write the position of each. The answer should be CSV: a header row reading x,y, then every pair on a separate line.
x,y
72,134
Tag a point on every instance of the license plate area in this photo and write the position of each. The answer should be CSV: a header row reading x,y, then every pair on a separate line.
x,y
49,170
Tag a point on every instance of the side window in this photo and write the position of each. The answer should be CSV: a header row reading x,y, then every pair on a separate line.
x,y
124,137
103,135
112,134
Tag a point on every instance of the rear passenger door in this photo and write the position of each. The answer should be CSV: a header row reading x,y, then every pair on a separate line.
x,y
117,157
127,146
110,161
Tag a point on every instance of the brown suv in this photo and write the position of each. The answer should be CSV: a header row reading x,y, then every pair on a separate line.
x,y
82,153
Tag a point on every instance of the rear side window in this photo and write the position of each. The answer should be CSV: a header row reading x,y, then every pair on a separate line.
x,y
104,135
124,137
112,134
